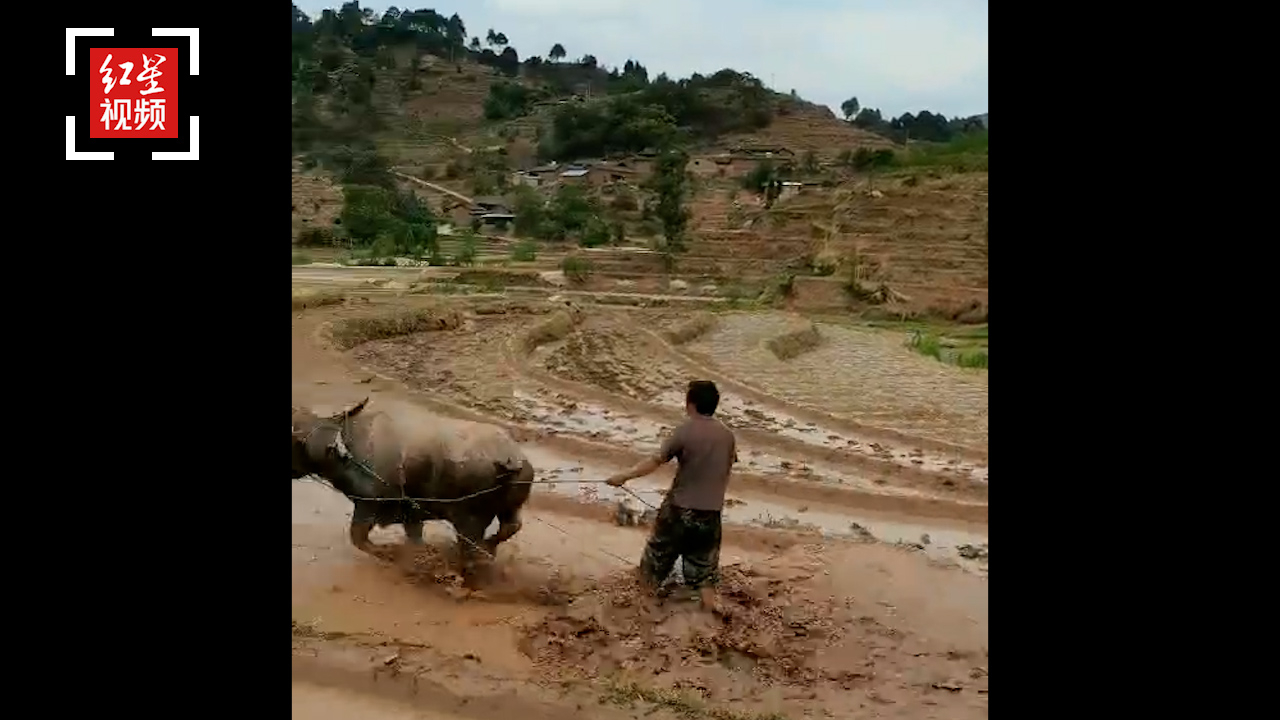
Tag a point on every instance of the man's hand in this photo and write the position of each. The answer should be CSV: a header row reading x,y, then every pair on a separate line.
x,y
643,468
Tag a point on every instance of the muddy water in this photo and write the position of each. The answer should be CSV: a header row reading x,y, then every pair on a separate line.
x,y
316,702
738,411
589,419
938,540
600,423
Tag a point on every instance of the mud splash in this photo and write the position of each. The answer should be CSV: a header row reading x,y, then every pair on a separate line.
x,y
616,627
774,630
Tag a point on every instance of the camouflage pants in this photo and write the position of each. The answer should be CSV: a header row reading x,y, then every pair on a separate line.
x,y
693,536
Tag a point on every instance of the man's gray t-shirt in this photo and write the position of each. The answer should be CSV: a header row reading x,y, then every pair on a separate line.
x,y
705,450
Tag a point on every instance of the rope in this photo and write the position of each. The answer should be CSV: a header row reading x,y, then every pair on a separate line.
x,y
636,495
548,523
564,532
360,464
363,466
322,481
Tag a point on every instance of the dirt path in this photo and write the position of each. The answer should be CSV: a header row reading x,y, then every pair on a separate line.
x,y
435,187
385,640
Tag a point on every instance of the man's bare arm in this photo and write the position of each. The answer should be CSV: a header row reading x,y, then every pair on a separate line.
x,y
670,448
641,469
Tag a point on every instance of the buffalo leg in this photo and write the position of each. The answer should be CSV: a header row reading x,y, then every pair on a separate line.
x,y
362,522
413,531
515,496
470,531
360,537
508,525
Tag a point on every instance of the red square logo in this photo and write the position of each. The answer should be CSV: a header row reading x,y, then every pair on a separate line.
x,y
134,93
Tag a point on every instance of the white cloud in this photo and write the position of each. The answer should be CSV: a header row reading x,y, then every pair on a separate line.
x,y
897,55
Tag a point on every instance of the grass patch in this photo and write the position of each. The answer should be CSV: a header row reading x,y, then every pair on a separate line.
x,y
695,327
964,153
976,332
303,298
525,251
780,288
350,332
301,259
966,348
576,269
927,345
681,704
361,261
795,343
498,278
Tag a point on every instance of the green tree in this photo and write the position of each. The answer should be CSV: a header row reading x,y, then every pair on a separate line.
x,y
572,209
596,233
467,252
670,184
366,211
557,52
760,177
529,210
850,108
870,119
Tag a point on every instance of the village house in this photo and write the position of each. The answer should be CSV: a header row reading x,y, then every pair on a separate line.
x,y
738,161
575,176
790,188
601,174
637,164
538,176
459,214
497,218
488,210
613,173
525,178
489,203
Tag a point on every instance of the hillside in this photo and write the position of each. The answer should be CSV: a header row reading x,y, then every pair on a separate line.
x,y
776,186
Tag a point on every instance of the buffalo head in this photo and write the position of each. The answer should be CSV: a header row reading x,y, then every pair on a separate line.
x,y
314,440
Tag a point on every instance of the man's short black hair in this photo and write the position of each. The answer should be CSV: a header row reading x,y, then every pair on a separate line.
x,y
703,396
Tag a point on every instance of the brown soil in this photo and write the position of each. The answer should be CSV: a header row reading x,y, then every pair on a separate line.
x,y
317,200
834,605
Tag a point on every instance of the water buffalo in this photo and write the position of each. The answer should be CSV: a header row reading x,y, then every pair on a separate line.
x,y
383,458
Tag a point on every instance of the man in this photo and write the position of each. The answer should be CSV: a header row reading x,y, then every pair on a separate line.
x,y
688,523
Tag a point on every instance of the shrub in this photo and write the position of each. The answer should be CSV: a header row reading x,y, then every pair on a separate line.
x,y
316,237
576,269
867,159
595,234
467,253
525,251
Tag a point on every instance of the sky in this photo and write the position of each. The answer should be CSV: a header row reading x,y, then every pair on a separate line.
x,y
895,55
